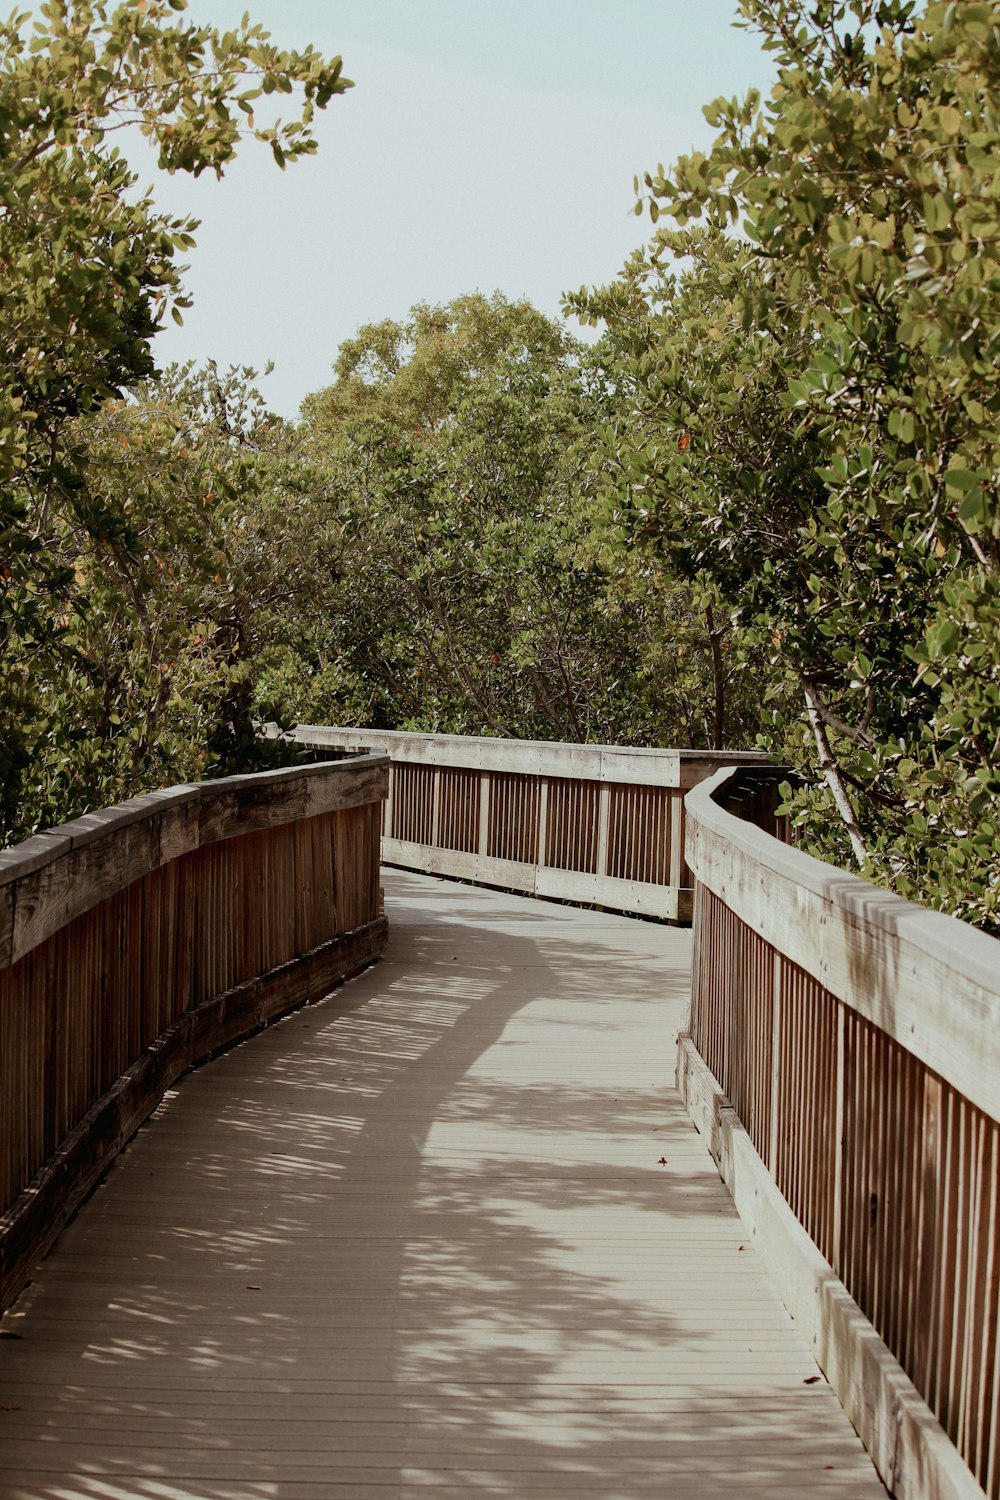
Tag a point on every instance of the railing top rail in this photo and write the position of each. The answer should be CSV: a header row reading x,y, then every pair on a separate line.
x,y
615,763
58,875
928,980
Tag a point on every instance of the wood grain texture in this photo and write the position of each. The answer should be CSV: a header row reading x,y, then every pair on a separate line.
x,y
910,1449
857,1039
51,879
38,1216
929,981
633,766
418,1239
152,935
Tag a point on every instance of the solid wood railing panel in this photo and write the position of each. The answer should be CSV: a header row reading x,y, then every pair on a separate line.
x,y
857,1037
207,911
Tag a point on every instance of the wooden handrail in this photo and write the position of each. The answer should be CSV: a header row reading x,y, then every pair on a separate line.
x,y
141,939
597,824
857,1038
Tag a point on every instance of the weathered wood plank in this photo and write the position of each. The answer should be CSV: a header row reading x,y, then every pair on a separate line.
x,y
236,805
635,766
112,854
908,1445
562,885
34,1221
606,890
927,980
56,877
421,1241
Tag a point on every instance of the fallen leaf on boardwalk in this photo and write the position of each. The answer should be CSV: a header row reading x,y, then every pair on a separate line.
x,y
812,1379
662,1162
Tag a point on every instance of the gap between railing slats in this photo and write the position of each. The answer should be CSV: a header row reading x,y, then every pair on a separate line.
x,y
144,938
857,1037
598,824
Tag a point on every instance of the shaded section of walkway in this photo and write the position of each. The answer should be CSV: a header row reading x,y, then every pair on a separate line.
x,y
421,1238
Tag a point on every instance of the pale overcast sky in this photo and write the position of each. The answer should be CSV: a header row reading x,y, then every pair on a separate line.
x,y
487,144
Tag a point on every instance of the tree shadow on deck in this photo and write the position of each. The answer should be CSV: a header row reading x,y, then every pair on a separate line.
x,y
392,1245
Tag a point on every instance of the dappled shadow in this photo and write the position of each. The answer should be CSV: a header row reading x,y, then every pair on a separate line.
x,y
449,1230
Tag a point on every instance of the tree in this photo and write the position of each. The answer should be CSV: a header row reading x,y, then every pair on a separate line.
x,y
475,590
697,476
147,681
87,273
447,434
865,187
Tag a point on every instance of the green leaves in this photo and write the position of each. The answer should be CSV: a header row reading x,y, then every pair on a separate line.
x,y
89,275
482,594
849,509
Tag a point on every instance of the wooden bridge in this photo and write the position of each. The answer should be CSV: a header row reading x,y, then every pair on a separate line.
x,y
451,1227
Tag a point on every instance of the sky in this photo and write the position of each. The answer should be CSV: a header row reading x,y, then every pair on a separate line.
x,y
487,145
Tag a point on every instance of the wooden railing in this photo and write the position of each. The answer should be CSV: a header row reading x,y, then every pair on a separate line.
x,y
843,1055
136,941
596,824
855,1041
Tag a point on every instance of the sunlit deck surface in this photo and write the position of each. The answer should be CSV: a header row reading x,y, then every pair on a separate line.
x,y
420,1238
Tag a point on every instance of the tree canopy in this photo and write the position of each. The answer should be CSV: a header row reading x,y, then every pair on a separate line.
x,y
88,271
820,397
763,507
470,586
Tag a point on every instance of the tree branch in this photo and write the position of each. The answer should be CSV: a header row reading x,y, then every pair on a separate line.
x,y
832,775
859,734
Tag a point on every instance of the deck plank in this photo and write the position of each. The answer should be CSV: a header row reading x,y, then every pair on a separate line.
x,y
419,1238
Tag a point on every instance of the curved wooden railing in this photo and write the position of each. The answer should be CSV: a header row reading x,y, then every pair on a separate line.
x,y
844,1049
139,940
596,824
843,1056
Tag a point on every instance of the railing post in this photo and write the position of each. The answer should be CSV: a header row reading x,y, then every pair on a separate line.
x,y
436,809
543,820
676,833
930,1231
697,951
603,827
387,805
840,1085
485,795
775,1123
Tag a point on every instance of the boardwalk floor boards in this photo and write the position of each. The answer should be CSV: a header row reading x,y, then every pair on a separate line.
x,y
418,1239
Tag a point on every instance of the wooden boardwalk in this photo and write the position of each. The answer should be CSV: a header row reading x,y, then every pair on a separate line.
x,y
420,1238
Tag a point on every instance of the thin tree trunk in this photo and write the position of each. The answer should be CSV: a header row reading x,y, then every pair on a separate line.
x,y
832,776
719,681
